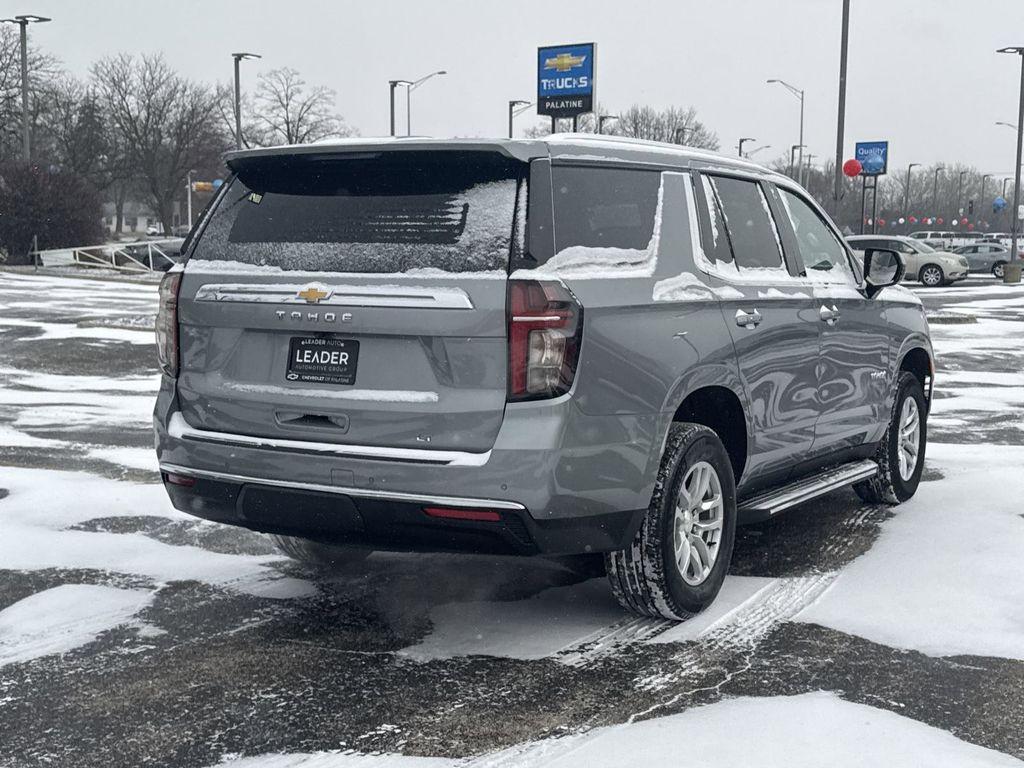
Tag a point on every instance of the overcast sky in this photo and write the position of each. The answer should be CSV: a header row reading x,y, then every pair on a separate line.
x,y
922,73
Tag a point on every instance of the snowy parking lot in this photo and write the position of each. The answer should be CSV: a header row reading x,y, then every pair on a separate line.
x,y
846,634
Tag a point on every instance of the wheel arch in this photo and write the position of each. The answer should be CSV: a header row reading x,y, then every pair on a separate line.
x,y
714,398
919,361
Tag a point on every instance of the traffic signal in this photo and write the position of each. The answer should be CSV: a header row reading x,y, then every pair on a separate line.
x,y
970,207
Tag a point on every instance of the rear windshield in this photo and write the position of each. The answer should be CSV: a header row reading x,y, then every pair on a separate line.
x,y
375,212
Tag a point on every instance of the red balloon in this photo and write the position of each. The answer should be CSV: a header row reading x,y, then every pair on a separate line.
x,y
912,219
852,167
939,220
881,222
970,226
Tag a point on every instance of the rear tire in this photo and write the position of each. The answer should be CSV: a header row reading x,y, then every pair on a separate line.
x,y
318,554
898,476
997,269
677,561
931,275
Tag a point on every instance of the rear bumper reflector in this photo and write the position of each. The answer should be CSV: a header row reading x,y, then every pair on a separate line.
x,y
183,480
454,513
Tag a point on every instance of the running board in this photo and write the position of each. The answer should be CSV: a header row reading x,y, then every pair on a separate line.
x,y
772,502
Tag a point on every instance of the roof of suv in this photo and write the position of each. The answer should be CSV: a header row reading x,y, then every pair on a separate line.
x,y
587,147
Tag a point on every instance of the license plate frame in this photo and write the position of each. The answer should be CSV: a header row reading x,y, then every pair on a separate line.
x,y
322,360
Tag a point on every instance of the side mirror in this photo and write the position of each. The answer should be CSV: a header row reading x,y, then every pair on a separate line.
x,y
882,268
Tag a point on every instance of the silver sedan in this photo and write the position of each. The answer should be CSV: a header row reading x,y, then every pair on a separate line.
x,y
985,257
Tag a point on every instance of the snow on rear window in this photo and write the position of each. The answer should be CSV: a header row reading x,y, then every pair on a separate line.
x,y
378,215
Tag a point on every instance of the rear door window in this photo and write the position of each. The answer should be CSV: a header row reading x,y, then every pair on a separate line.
x,y
377,212
751,230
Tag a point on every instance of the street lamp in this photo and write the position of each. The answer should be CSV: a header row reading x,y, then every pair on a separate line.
x,y
906,189
189,188
754,151
984,178
743,141
393,84
23,21
960,193
792,154
935,189
1008,125
238,95
601,121
411,86
679,136
799,93
1019,51
806,170
512,111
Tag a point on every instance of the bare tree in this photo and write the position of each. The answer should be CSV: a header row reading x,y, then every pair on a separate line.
x,y
673,125
167,123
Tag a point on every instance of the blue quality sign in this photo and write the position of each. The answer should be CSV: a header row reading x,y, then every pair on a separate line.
x,y
873,157
565,80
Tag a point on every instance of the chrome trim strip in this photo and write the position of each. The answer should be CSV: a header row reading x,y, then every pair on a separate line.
x,y
776,500
365,493
180,429
411,296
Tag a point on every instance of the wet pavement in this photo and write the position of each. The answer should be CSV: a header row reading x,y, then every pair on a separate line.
x,y
431,655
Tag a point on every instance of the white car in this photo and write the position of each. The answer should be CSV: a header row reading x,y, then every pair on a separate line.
x,y
923,262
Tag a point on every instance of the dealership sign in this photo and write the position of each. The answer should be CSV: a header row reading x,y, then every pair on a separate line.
x,y
565,80
873,157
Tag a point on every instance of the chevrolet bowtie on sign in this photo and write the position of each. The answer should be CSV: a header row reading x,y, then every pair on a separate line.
x,y
565,80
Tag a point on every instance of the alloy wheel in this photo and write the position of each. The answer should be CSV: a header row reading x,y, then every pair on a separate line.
x,y
697,523
909,438
931,276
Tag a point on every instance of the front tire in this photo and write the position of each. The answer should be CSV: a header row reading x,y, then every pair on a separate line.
x,y
900,454
997,269
677,561
317,554
932,275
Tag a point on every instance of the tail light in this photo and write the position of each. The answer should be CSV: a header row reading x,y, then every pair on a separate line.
x,y
167,323
545,327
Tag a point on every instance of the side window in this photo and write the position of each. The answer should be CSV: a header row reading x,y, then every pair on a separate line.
x,y
748,223
823,255
604,207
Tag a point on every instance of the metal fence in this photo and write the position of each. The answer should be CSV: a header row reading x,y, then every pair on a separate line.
x,y
141,256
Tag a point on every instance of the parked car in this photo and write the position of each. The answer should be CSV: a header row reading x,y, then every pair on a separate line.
x,y
569,345
922,262
937,239
986,257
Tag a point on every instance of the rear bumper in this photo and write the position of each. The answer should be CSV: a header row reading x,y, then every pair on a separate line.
x,y
561,480
390,521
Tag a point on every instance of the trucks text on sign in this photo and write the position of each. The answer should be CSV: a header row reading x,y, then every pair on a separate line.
x,y
565,79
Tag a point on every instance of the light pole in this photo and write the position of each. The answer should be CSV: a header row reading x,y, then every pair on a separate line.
x,y
792,154
411,86
984,178
23,21
189,187
393,84
841,121
512,112
960,192
799,93
601,121
935,190
755,150
1008,125
1015,212
742,141
906,189
806,170
238,95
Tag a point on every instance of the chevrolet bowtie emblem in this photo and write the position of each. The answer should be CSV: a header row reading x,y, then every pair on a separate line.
x,y
563,62
311,294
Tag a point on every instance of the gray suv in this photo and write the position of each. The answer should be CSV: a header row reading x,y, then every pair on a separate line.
x,y
571,345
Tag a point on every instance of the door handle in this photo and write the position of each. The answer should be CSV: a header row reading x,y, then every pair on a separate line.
x,y
748,320
829,315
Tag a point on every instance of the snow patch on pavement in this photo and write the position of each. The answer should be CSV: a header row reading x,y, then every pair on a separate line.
x,y
956,547
63,618
806,731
